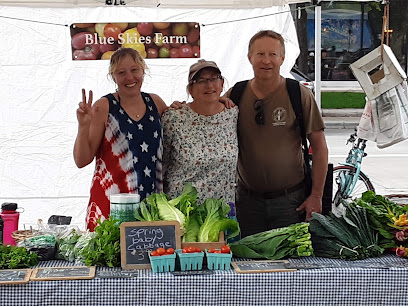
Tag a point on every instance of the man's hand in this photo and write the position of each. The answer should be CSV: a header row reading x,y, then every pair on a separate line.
x,y
227,102
311,204
177,104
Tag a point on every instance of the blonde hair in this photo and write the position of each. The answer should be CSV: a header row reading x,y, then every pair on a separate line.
x,y
120,54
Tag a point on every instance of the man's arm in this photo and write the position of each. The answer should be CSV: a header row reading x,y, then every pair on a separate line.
x,y
320,160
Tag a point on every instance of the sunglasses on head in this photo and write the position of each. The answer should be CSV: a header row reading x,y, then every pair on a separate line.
x,y
260,115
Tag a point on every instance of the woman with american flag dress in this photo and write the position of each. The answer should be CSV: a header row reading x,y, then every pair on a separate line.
x,y
123,132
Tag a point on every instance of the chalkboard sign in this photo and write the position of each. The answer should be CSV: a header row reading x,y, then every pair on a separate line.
x,y
18,276
261,266
116,274
192,272
137,239
63,273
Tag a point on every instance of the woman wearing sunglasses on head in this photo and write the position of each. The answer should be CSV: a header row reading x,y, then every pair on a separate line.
x,y
200,138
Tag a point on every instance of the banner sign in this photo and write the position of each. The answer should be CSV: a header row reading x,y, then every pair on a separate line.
x,y
95,41
115,2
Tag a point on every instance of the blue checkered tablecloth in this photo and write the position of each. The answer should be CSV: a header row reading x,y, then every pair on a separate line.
x,y
323,286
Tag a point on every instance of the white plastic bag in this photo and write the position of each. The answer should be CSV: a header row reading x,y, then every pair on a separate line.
x,y
390,115
366,128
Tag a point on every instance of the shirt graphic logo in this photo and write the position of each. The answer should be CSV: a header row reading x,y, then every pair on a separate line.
x,y
279,116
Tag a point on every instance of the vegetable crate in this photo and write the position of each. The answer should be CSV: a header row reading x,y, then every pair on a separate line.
x,y
206,245
164,263
218,261
190,261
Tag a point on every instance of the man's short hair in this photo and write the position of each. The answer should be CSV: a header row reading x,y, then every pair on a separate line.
x,y
267,33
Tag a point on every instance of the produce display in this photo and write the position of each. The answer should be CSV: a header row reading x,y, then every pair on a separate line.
x,y
219,259
389,219
13,257
346,237
162,251
369,226
163,263
191,250
200,223
225,249
66,245
190,259
104,248
72,243
42,245
291,241
93,41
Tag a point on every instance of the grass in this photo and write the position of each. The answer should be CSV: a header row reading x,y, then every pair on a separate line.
x,y
336,100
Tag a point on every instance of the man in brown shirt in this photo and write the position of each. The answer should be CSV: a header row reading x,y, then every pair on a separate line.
x,y
271,191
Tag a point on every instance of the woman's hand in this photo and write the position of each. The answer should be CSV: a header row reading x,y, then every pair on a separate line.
x,y
84,111
227,102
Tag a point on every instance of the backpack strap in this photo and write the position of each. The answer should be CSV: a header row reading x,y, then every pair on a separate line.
x,y
293,88
237,91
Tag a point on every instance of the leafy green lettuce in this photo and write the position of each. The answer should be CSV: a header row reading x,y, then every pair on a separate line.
x,y
200,223
208,220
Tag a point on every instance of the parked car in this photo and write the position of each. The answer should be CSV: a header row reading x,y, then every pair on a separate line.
x,y
302,78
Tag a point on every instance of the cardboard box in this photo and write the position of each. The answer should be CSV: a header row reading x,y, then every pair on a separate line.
x,y
376,75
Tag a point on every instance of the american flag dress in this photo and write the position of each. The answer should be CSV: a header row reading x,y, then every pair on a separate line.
x,y
129,159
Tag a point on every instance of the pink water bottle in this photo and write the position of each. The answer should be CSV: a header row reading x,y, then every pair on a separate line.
x,y
10,217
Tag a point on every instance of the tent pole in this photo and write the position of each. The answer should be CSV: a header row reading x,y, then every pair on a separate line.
x,y
318,54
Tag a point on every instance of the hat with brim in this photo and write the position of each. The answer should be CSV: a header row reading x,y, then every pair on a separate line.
x,y
201,64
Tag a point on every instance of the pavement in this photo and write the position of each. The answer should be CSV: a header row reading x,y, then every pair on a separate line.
x,y
346,118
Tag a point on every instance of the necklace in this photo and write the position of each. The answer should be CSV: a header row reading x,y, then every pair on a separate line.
x,y
137,115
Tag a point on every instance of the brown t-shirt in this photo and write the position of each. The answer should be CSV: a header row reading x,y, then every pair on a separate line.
x,y
270,156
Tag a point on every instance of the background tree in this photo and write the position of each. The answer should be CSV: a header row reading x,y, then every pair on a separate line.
x,y
301,28
398,23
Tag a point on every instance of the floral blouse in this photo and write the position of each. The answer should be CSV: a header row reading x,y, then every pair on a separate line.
x,y
202,150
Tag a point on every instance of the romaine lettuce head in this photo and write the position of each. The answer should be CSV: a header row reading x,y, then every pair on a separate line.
x,y
215,220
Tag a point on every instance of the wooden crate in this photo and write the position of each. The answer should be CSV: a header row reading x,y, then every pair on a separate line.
x,y
206,245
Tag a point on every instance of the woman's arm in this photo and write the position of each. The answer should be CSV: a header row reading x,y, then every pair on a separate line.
x,y
91,128
161,106
167,142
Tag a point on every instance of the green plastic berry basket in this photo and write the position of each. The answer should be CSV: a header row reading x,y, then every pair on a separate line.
x,y
190,261
164,263
218,261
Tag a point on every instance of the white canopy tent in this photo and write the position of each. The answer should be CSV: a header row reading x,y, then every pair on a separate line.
x,y
41,85
154,3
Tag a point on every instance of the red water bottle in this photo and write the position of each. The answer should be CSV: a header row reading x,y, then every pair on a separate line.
x,y
10,218
1,230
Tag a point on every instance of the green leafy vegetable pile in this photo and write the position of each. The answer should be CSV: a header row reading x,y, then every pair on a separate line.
x,y
208,220
66,244
103,249
12,257
72,243
200,223
291,241
159,206
42,245
382,214
347,237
